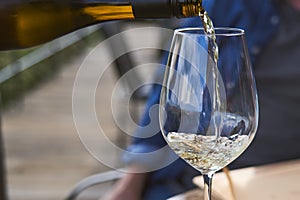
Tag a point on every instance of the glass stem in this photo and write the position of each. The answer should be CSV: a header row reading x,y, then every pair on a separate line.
x,y
207,185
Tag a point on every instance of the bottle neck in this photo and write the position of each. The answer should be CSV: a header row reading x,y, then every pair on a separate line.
x,y
165,8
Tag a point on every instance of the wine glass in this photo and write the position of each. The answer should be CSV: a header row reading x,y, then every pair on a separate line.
x,y
208,107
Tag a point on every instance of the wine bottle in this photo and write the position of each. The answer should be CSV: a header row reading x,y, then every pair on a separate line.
x,y
27,23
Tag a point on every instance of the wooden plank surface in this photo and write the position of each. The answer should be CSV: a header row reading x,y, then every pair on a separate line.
x,y
269,182
45,157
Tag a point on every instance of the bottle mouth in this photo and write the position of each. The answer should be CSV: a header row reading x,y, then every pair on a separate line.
x,y
189,8
219,31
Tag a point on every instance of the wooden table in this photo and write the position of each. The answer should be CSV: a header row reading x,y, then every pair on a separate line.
x,y
278,181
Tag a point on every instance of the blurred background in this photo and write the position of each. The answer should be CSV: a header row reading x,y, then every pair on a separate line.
x,y
44,155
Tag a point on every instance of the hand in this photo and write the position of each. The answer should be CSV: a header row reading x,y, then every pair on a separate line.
x,y
130,187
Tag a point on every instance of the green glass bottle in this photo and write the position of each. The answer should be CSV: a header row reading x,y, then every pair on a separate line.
x,y
27,23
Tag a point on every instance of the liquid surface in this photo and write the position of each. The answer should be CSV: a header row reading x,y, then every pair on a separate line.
x,y
207,153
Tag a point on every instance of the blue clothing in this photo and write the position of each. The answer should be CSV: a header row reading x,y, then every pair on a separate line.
x,y
250,15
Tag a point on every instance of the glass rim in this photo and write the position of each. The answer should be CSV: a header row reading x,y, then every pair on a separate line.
x,y
226,31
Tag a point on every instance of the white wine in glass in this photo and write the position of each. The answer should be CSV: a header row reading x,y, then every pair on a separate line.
x,y
209,110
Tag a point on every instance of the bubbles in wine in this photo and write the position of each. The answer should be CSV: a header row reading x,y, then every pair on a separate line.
x,y
207,153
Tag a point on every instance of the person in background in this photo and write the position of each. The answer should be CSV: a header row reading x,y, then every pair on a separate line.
x,y
273,37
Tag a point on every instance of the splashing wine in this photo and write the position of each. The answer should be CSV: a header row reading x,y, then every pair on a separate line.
x,y
204,152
